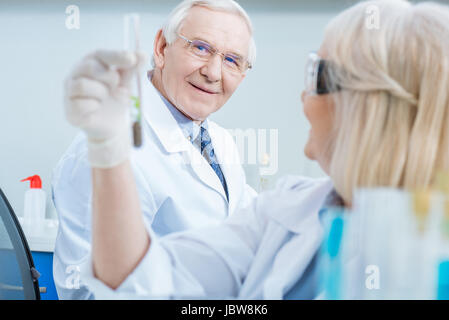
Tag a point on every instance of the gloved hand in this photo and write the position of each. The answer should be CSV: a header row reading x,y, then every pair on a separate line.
x,y
98,100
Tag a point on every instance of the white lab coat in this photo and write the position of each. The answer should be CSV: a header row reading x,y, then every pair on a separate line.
x,y
258,253
178,189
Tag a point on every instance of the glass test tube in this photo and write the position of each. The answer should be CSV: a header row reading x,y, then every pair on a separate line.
x,y
132,43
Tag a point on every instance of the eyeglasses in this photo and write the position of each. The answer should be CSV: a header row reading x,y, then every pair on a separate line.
x,y
317,76
204,51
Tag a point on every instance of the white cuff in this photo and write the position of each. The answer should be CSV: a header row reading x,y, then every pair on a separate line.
x,y
109,153
151,279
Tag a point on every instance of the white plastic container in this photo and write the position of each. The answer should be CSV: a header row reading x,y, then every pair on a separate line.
x,y
34,206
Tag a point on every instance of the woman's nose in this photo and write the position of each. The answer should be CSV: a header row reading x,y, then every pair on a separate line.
x,y
303,95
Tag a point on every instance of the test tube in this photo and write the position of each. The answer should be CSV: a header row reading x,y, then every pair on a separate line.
x,y
132,43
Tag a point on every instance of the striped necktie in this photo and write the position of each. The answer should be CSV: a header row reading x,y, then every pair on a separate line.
x,y
204,144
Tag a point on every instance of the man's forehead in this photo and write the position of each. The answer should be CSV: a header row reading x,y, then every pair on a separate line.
x,y
224,30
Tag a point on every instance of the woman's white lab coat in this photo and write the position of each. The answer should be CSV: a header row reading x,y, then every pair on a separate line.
x,y
259,253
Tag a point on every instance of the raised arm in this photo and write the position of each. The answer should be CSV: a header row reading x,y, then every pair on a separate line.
x,y
97,100
119,237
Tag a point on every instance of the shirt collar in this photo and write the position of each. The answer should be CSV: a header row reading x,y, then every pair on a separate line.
x,y
189,128
299,204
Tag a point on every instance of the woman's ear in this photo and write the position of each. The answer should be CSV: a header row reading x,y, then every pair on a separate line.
x,y
160,43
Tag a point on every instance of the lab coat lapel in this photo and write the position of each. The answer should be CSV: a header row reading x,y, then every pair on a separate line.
x,y
171,137
203,169
291,262
229,162
299,218
159,118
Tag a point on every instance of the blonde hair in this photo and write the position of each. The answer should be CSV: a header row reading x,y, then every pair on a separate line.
x,y
392,116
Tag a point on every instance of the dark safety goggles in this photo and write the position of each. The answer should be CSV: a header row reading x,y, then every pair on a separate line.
x,y
317,76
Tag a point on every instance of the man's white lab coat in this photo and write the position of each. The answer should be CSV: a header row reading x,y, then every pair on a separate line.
x,y
177,187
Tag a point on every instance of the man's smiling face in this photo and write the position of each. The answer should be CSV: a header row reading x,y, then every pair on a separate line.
x,y
197,87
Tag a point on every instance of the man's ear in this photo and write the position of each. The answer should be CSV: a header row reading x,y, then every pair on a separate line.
x,y
160,43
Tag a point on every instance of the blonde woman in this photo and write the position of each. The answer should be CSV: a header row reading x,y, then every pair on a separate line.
x,y
377,100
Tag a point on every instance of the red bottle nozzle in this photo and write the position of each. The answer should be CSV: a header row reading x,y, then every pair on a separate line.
x,y
35,182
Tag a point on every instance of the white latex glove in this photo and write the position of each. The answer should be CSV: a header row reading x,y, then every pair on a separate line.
x,y
98,100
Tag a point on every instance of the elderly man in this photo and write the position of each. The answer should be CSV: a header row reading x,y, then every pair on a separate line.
x,y
187,172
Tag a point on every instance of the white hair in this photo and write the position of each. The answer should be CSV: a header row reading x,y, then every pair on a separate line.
x,y
180,12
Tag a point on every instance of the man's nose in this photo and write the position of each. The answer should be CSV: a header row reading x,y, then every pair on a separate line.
x,y
213,68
